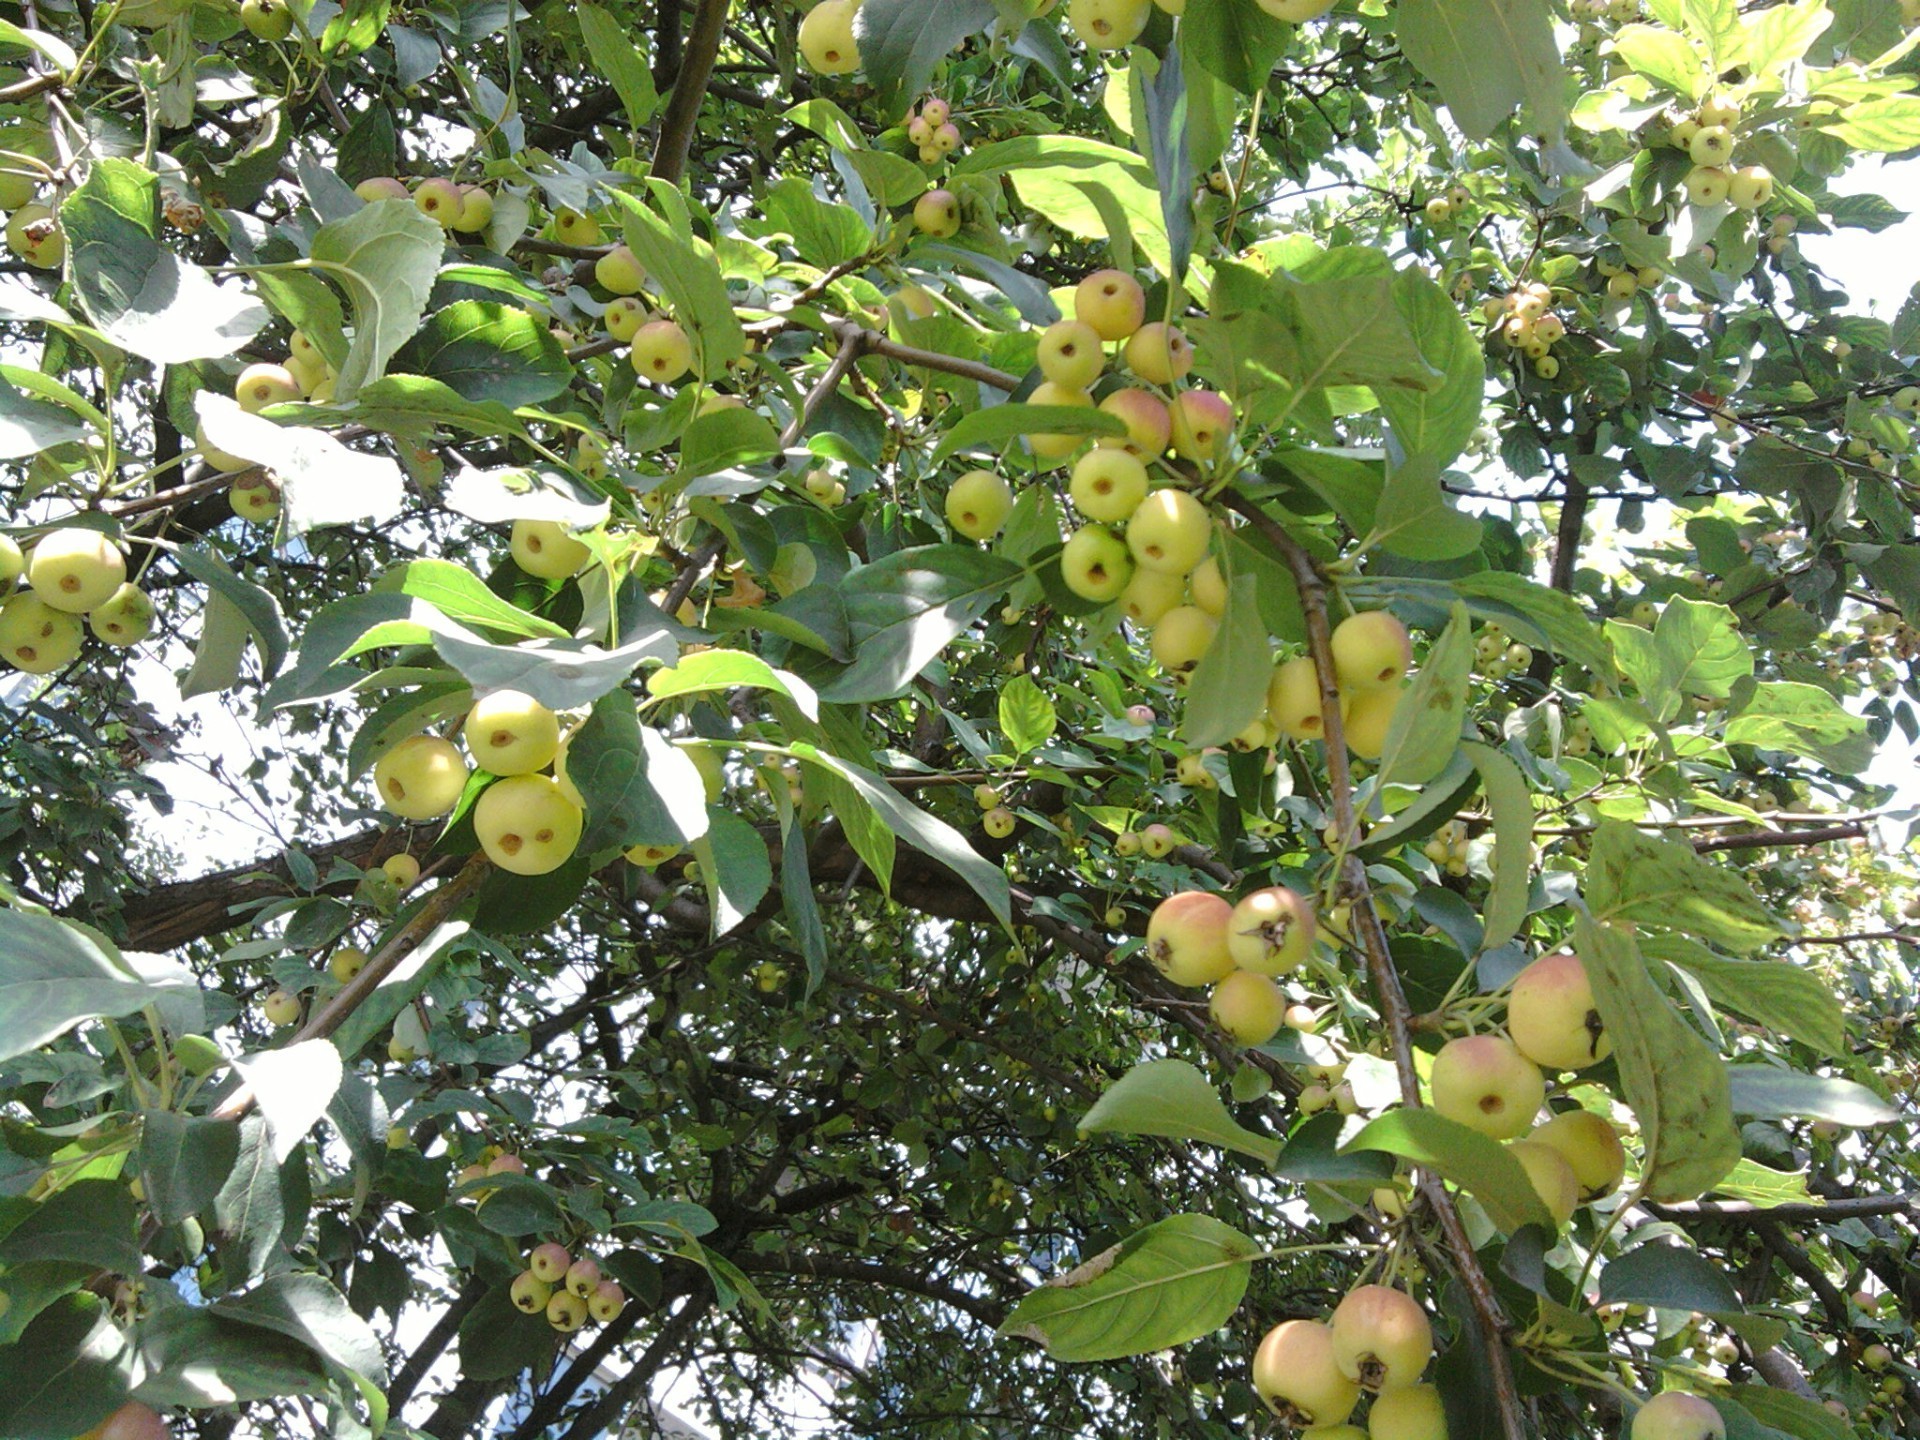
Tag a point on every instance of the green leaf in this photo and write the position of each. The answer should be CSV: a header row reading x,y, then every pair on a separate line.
x,y
619,61
488,352
993,427
307,1308
1026,715
1563,626
1671,1277
1671,1078
358,25
1234,40
901,41
1485,57
53,976
1887,125
709,671
385,257
687,274
401,987
462,596
639,789
293,1087
70,1370
1801,720
257,609
1511,805
1086,187
90,1222
195,1358
29,424
1791,1414
498,1341
1172,1282
1482,1167
1700,650
1782,34
1664,884
1164,100
826,233
138,292
184,1160
1313,1152
560,674
321,481
803,911
1426,723
1664,56
1228,688
1172,1099
734,866
1417,521
1436,423
903,610
250,1212
1786,998
723,439
1340,322
220,652
1770,1093
414,709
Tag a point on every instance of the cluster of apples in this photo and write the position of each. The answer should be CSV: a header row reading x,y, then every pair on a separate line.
x,y
467,209
73,575
658,346
1448,847
282,1007
1496,657
565,1289
1709,137
1377,1342
1371,656
1199,938
1441,209
528,822
1523,318
931,128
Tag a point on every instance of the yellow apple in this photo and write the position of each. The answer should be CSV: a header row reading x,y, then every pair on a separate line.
x,y
74,569
421,778
37,638
527,825
509,733
546,549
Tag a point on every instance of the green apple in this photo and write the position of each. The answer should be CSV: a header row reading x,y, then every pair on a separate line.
x,y
1149,423
1706,185
1209,587
1293,700
1551,1176
476,210
1295,1373
946,139
607,1301
1158,353
1296,12
1485,1083
262,385
1111,301
280,1009
402,869
547,550
936,111
1248,1007
256,499
1591,1146
1126,844
1676,1415
1070,354
1413,1412
1367,719
1382,1339
527,825
439,200
75,569
529,1294
620,271
624,316
826,38
267,19
1169,531
510,733
346,962
1108,485
566,1312
1749,187
1711,145
34,235
37,638
1108,24
1552,1017
1158,841
571,227
13,564
1094,564
998,822
978,504
1271,931
421,778
1438,210
1371,651
649,857
1202,424
1181,637
937,213
124,618
1150,595
661,352
582,1276
1049,446
381,187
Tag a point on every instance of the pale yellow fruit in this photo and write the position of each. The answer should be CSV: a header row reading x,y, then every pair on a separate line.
x,y
75,569
1169,532
1368,718
509,733
1486,1084
526,825
126,618
1250,1008
37,638
421,778
1382,1339
1371,651
1552,1178
547,550
1295,1373
826,38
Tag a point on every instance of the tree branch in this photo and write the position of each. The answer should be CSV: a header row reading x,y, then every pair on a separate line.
x,y
689,90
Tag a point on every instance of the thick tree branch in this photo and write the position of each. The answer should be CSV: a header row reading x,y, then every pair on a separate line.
x,y
689,90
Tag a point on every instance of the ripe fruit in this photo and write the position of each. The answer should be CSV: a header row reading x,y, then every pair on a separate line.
x,y
1201,420
76,569
549,1262
476,210
826,38
1158,353
1371,650
529,1293
573,228
34,235
1676,1415
1181,637
1157,842
1486,1084
1108,24
1552,1178
1070,354
1126,844
1249,1007
978,504
346,962
13,564
620,271
1711,145
546,549
1108,484
1413,1412
1187,938
438,200
1749,187
421,778
262,385
125,618
1094,564
1381,1338
1271,931
661,352
937,213
1148,421
132,1421
1111,301
1049,446
1209,587
267,19
1293,700
1367,721
381,187
527,825
1169,532
280,1009
1706,185
566,1312
1590,1146
1140,714
1551,1015
36,638
509,733
1298,1378
998,822
607,1301
582,1276
623,317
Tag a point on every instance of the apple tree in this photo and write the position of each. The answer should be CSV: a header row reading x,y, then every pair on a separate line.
x,y
963,718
